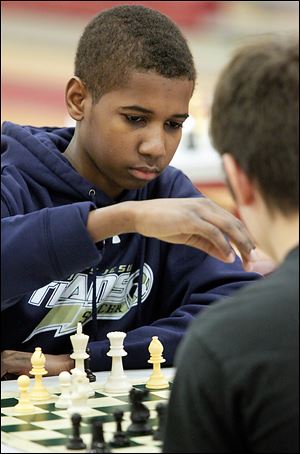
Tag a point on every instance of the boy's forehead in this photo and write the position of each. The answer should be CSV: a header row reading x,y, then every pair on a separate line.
x,y
151,85
157,95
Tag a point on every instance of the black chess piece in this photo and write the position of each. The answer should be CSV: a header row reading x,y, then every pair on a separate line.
x,y
75,442
139,413
120,439
98,442
87,367
161,409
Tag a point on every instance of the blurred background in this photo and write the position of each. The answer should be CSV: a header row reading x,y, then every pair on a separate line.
x,y
39,39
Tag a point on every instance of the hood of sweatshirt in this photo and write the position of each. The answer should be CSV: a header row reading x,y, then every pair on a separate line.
x,y
38,152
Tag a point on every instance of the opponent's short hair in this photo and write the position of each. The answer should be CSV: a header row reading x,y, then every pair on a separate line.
x,y
127,38
255,118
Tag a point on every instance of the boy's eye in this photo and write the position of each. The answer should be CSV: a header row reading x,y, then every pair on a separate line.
x,y
134,118
137,119
174,124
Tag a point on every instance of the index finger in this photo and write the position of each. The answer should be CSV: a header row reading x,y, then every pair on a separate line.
x,y
232,227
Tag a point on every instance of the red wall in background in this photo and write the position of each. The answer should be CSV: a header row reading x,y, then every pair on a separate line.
x,y
187,13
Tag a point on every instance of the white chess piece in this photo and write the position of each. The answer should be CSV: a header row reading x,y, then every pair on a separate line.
x,y
79,342
79,394
39,391
64,400
24,405
156,380
117,381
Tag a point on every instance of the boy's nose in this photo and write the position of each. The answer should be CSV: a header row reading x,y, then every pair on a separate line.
x,y
153,145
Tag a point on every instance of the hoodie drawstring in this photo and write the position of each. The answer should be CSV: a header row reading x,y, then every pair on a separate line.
x,y
140,281
94,303
93,272
141,273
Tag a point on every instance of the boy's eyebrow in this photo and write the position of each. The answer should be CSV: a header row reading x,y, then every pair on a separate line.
x,y
143,110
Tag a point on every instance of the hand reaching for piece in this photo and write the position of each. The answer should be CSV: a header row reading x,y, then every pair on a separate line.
x,y
196,222
199,223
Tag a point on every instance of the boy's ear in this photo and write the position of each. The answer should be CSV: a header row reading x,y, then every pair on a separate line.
x,y
76,94
242,187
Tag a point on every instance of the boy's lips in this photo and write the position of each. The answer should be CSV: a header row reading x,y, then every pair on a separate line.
x,y
144,172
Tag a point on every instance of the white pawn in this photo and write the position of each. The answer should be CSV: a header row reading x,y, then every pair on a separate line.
x,y
64,400
80,393
117,381
24,405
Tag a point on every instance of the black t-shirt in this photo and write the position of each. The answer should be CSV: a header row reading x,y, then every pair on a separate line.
x,y
237,382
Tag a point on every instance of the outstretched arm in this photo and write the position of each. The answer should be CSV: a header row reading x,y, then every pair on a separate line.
x,y
48,244
196,222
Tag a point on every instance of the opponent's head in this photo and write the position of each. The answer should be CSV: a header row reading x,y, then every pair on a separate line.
x,y
255,125
134,77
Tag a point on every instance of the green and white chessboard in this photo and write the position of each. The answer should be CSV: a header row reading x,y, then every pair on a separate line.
x,y
48,429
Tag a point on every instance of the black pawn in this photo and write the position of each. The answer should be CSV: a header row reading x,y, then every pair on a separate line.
x,y
75,442
161,415
120,439
139,413
98,442
87,367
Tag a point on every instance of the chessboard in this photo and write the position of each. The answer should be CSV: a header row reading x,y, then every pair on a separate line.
x,y
49,428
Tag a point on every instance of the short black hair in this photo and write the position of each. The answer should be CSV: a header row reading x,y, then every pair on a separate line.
x,y
255,118
126,38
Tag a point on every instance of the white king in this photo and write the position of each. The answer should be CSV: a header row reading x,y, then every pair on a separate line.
x,y
79,342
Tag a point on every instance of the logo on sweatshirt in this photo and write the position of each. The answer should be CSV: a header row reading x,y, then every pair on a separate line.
x,y
70,301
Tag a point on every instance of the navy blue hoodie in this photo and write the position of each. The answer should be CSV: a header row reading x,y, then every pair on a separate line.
x,y
55,276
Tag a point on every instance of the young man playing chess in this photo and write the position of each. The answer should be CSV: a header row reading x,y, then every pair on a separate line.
x,y
237,382
96,227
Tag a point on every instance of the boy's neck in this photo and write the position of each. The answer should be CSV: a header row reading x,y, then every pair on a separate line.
x,y
83,165
283,236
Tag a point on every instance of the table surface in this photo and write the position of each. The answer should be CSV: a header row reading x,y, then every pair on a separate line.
x,y
11,385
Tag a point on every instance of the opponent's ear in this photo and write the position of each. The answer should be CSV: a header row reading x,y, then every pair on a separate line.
x,y
75,97
241,186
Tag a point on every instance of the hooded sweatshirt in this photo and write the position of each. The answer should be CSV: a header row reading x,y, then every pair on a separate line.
x,y
55,276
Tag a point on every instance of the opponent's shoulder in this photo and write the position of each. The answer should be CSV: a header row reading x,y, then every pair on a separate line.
x,y
264,313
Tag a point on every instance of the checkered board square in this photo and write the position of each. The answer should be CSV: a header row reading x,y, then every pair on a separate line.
x,y
48,428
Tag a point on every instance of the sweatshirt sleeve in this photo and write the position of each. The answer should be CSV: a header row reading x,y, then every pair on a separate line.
x,y
42,246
